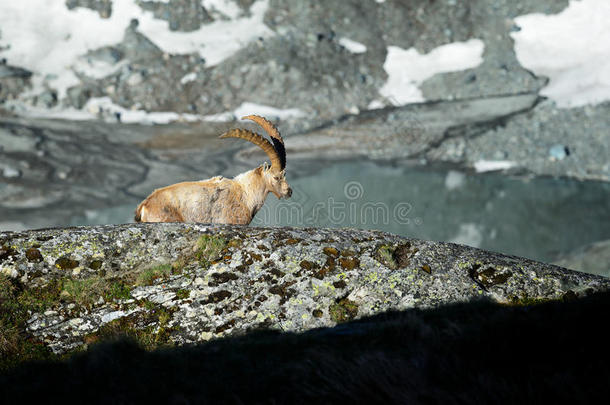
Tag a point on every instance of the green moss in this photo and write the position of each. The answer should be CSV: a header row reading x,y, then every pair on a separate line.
x,y
307,265
395,257
488,276
33,255
526,301
385,255
209,249
349,263
16,305
117,290
83,292
150,329
6,252
150,275
235,243
87,291
95,264
342,311
183,294
66,263
330,251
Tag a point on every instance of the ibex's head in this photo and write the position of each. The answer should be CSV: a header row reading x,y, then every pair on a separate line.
x,y
273,176
276,182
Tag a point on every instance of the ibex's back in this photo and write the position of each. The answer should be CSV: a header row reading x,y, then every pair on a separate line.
x,y
222,200
195,201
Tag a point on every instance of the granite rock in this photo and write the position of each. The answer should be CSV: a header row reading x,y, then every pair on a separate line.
x,y
185,283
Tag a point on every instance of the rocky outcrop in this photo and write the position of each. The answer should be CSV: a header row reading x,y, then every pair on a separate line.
x,y
103,7
303,65
13,80
181,15
172,284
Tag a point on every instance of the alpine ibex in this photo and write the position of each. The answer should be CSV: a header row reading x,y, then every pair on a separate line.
x,y
221,200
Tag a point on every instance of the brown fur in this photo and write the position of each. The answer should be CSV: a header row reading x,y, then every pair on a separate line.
x,y
217,200
222,200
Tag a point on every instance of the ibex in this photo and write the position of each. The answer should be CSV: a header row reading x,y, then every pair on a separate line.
x,y
221,200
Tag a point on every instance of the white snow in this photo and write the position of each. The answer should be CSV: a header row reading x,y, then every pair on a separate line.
x,y
248,108
352,46
482,166
407,69
226,116
48,39
189,77
215,41
572,48
104,108
267,111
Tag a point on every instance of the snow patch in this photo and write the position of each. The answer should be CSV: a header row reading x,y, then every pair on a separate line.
x,y
482,166
248,108
227,116
215,41
572,48
105,108
352,46
49,40
407,69
267,111
189,77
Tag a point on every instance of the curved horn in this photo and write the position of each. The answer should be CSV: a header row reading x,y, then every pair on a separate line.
x,y
276,138
257,140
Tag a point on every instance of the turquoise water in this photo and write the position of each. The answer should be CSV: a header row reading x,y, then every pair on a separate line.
x,y
536,218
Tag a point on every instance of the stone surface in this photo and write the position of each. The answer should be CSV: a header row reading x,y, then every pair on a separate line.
x,y
103,7
13,81
183,283
181,15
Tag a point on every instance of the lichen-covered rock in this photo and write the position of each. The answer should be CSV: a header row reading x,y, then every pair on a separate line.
x,y
182,283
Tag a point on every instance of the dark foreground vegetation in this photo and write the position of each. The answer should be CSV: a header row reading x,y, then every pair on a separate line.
x,y
480,352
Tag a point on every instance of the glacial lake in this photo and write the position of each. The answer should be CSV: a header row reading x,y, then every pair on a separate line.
x,y
537,218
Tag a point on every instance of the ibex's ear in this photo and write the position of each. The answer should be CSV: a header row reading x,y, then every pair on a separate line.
x,y
259,170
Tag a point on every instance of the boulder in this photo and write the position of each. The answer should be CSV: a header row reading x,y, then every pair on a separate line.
x,y
176,284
